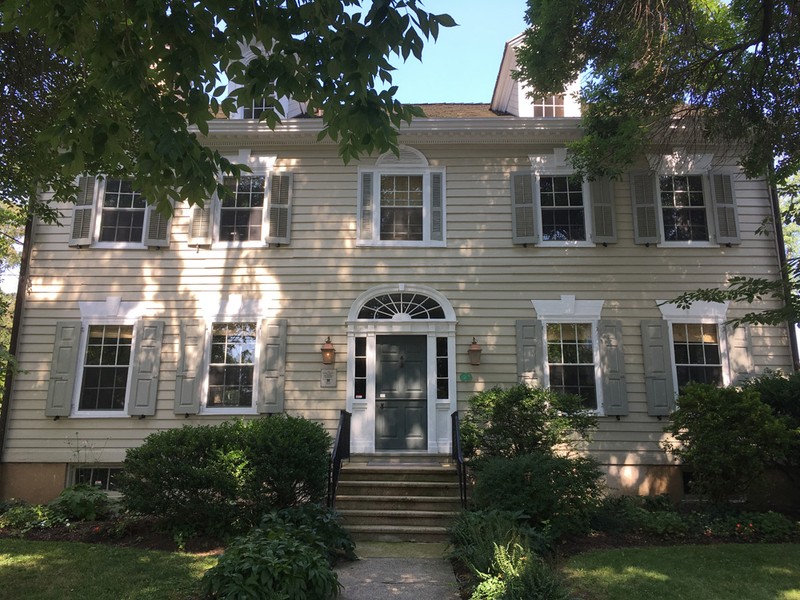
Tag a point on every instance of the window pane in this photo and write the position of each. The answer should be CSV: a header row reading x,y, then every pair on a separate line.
x,y
683,208
697,355
231,370
401,207
570,357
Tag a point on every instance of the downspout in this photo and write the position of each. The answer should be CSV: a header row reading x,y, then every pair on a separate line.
x,y
22,288
781,247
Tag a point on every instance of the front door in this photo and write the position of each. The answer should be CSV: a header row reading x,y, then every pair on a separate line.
x,y
401,393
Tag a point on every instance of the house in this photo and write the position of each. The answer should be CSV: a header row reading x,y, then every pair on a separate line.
x,y
476,236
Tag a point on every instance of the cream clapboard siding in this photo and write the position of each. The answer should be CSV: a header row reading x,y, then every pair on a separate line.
x,y
313,281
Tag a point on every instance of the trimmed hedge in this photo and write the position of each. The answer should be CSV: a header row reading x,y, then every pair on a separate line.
x,y
224,478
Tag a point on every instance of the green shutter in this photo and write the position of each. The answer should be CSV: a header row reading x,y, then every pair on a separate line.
x,y
437,206
740,354
523,213
81,231
601,192
157,229
365,208
612,367
657,367
645,208
272,366
200,224
280,209
189,372
726,219
146,363
63,369
529,352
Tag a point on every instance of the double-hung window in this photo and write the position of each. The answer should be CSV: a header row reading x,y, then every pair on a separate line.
x,y
551,206
571,360
569,348
232,365
254,210
401,201
691,345
681,201
111,212
107,364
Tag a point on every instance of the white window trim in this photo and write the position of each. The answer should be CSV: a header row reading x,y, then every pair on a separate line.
x,y
570,310
97,219
232,309
418,167
111,312
680,163
713,313
260,166
557,165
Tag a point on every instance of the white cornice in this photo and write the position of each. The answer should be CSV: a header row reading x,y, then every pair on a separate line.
x,y
488,130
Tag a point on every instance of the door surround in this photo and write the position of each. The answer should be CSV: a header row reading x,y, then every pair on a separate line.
x,y
401,309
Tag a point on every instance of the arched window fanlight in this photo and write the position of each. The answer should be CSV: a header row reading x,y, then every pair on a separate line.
x,y
401,306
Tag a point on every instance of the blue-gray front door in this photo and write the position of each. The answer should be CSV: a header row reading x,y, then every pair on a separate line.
x,y
401,393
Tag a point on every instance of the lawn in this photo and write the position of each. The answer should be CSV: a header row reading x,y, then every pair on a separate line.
x,y
710,572
66,570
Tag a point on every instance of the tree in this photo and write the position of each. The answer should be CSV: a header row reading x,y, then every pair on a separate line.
x,y
680,72
695,70
129,86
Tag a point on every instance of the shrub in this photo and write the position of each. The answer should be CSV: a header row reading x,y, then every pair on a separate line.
x,y
475,534
781,392
518,574
522,420
215,479
81,502
557,494
268,565
24,517
727,436
315,525
625,514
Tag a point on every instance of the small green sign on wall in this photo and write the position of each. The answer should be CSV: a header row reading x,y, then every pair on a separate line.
x,y
465,377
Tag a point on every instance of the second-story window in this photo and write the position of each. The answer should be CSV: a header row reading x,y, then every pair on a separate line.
x,y
401,201
683,208
122,218
563,213
242,211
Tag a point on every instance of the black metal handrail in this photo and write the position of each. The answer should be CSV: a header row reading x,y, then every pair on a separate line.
x,y
341,450
458,458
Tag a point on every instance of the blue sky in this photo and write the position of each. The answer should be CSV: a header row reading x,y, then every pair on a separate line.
x,y
462,65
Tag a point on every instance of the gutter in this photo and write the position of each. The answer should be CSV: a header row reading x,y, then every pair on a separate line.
x,y
781,247
19,302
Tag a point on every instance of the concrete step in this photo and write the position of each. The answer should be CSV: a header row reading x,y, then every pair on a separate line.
x,y
397,472
397,533
358,502
398,488
415,518
401,458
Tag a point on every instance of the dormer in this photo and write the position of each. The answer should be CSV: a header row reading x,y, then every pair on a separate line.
x,y
291,108
511,96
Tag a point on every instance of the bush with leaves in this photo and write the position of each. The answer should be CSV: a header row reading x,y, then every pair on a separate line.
x,y
782,393
523,420
81,502
475,533
218,479
557,494
317,526
519,574
22,517
269,564
727,437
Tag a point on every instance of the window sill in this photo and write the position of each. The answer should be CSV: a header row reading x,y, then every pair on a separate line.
x,y
689,244
573,244
118,246
100,414
206,411
399,244
248,244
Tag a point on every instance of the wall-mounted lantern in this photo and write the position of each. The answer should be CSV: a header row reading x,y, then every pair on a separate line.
x,y
328,352
474,352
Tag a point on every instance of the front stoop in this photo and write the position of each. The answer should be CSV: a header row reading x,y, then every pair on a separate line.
x,y
398,498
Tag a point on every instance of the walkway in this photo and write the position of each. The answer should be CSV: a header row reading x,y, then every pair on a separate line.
x,y
398,571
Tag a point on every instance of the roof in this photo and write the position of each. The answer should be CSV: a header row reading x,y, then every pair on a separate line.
x,y
455,110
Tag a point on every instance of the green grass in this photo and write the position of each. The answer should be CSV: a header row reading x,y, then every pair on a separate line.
x,y
718,572
66,570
